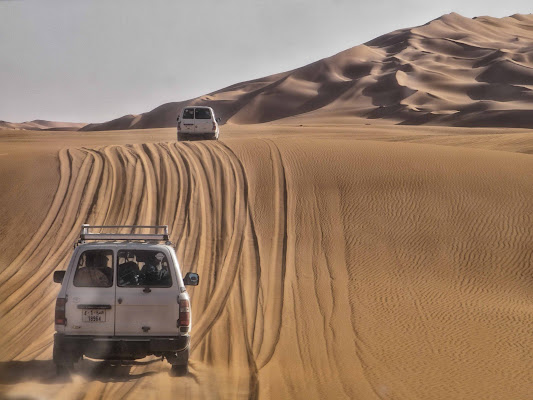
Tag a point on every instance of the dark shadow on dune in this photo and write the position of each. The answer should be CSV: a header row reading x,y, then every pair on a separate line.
x,y
326,94
44,371
419,119
387,92
507,72
500,92
393,42
397,110
492,118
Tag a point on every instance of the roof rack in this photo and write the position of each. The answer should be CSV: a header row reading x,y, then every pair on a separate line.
x,y
86,233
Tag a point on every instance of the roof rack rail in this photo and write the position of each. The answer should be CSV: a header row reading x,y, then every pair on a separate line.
x,y
86,233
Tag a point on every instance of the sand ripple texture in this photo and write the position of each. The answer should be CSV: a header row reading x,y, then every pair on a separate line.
x,y
345,269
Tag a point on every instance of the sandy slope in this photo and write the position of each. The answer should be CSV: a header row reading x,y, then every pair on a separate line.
x,y
42,125
397,267
450,71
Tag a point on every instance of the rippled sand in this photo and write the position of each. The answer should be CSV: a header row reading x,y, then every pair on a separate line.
x,y
353,261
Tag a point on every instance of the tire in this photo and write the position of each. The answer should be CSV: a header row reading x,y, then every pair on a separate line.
x,y
63,358
64,370
179,361
211,136
182,137
179,370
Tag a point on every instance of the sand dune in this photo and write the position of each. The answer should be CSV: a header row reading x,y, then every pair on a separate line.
x,y
392,268
452,71
42,125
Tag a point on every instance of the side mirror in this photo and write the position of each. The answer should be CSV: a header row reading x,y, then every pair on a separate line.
x,y
218,119
177,119
191,279
58,276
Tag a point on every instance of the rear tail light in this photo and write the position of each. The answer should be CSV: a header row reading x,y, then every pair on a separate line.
x,y
214,126
185,313
60,311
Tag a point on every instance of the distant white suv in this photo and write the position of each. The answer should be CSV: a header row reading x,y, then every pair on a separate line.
x,y
197,122
123,298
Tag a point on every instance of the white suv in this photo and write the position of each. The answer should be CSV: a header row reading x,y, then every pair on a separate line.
x,y
197,122
123,298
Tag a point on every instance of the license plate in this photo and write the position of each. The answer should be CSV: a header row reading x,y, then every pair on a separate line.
x,y
93,315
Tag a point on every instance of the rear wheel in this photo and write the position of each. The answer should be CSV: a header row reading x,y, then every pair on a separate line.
x,y
64,370
179,370
63,358
63,362
182,137
179,361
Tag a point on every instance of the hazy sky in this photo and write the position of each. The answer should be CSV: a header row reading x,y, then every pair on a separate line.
x,y
94,60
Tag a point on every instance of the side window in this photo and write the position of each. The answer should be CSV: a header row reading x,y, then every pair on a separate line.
x,y
143,268
188,113
94,269
202,113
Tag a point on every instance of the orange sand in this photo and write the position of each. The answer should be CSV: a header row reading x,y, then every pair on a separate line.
x,y
388,263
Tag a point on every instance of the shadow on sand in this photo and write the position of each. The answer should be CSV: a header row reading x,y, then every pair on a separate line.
x,y
44,371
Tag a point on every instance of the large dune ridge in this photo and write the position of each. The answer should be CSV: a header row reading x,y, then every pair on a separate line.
x,y
451,71
390,263
42,125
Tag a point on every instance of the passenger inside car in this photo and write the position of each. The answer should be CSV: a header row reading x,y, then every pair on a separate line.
x,y
94,269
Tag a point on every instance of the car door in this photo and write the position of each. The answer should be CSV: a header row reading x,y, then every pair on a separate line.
x,y
146,294
187,121
203,120
90,306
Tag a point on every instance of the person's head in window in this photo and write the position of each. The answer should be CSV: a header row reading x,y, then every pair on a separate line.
x,y
94,269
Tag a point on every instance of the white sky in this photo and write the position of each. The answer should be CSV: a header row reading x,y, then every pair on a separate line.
x,y
95,60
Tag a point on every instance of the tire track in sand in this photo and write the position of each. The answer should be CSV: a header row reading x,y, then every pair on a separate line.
x,y
201,191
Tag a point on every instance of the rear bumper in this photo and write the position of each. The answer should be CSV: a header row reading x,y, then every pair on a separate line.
x,y
198,134
119,347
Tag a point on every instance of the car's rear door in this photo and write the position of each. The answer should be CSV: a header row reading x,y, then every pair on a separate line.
x,y
203,120
90,306
187,121
146,294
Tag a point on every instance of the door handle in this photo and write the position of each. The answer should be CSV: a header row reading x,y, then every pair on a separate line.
x,y
119,300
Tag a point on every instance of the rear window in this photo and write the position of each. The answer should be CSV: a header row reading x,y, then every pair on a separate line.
x,y
188,113
202,113
94,269
143,268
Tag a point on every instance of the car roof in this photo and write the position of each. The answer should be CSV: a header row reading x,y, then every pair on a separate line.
x,y
124,245
197,107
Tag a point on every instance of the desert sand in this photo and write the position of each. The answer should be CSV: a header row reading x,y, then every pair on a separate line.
x,y
337,260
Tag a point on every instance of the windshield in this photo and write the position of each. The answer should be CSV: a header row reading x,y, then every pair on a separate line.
x,y
202,113
143,268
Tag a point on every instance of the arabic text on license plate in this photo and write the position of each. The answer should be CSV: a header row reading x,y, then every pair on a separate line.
x,y
93,315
